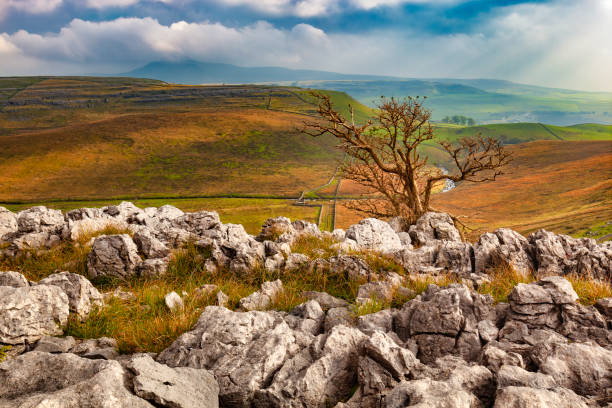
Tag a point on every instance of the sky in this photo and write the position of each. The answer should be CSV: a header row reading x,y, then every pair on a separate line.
x,y
553,43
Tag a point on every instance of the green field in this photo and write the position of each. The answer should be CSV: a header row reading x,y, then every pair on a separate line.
x,y
513,133
487,101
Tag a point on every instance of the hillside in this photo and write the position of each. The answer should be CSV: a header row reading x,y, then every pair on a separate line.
x,y
512,133
487,101
101,138
563,186
82,141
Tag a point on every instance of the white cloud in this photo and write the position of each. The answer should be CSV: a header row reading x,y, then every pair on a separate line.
x,y
311,8
29,6
100,4
300,8
563,45
370,4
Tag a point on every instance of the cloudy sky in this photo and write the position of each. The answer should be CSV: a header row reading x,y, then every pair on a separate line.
x,y
558,43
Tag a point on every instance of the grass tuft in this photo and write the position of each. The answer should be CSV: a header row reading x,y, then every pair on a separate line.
x,y
3,351
589,290
503,279
314,247
85,235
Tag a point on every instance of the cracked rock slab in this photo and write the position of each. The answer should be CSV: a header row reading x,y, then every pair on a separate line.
x,y
180,387
28,313
39,380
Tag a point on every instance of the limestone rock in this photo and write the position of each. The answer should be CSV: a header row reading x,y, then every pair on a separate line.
x,y
28,313
295,261
302,227
244,350
273,228
454,257
325,300
103,348
487,330
173,301
560,255
375,235
518,397
14,279
55,345
38,379
339,234
605,307
113,255
503,246
262,298
307,317
382,290
514,376
399,224
274,263
8,222
82,295
584,368
150,246
381,321
40,219
536,304
494,358
354,267
198,224
444,321
430,393
323,372
152,268
222,299
180,387
434,226
338,316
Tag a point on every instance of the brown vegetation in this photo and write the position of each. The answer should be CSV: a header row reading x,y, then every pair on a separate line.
x,y
384,156
561,186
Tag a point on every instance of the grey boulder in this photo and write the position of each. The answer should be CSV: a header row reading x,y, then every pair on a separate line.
x,y
113,255
14,279
180,387
82,295
38,379
434,226
375,235
8,222
28,313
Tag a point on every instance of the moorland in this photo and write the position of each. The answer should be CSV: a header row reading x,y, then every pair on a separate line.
x,y
70,142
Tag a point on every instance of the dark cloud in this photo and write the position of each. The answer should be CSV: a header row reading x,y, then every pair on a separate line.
x,y
548,43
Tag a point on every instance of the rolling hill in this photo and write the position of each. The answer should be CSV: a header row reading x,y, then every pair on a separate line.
x,y
103,137
486,100
238,149
563,186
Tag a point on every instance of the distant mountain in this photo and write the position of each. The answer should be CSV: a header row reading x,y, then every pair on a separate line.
x,y
196,72
486,100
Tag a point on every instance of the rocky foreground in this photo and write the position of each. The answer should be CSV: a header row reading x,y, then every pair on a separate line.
x,y
447,347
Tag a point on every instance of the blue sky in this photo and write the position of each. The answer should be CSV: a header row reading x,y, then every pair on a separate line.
x,y
559,43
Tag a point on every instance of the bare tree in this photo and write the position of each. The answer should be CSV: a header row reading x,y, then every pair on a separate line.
x,y
385,156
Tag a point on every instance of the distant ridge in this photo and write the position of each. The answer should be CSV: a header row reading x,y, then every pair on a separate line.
x,y
196,72
484,100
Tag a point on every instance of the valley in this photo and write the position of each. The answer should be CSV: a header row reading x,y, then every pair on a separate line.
x,y
69,142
